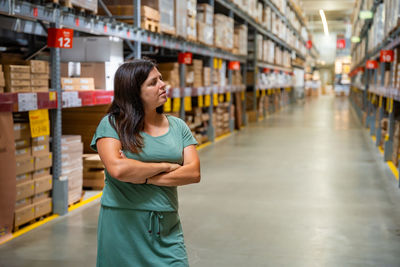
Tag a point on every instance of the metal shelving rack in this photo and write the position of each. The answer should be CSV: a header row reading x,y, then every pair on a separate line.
x,y
30,18
375,96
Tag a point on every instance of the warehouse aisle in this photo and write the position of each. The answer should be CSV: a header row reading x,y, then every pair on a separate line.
x,y
304,188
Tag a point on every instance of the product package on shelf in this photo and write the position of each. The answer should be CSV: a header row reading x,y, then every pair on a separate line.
x,y
88,5
191,20
170,73
40,75
77,84
267,18
223,32
17,78
205,20
240,40
72,166
206,76
2,80
167,16
221,119
93,171
181,18
194,74
396,144
198,120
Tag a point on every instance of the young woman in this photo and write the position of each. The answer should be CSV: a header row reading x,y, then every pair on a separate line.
x,y
146,155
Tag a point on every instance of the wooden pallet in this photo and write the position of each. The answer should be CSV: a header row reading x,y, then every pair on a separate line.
x,y
150,24
19,227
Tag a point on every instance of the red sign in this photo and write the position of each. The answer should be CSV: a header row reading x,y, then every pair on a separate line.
x,y
185,58
387,55
371,64
340,43
309,44
60,38
266,70
234,65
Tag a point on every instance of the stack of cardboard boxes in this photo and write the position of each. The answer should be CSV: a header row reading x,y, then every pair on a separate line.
x,y
170,73
194,74
191,20
205,20
18,78
221,119
240,40
197,120
34,182
72,166
40,75
223,32
237,78
206,76
2,80
93,171
77,84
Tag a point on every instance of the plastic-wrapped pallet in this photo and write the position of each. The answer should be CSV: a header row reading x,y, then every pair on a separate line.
x,y
191,20
170,73
240,40
259,40
181,18
223,32
205,20
167,16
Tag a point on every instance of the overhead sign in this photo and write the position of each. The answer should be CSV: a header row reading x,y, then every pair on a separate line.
x,y
185,58
309,44
366,14
234,65
60,38
341,43
355,39
372,64
387,56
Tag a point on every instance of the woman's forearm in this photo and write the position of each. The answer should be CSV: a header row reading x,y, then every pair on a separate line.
x,y
134,171
187,174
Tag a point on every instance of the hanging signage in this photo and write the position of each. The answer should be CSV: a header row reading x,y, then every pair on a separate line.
x,y
265,70
60,38
387,56
340,43
371,64
234,65
185,58
309,44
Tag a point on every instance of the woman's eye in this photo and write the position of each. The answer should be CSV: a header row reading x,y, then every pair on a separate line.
x,y
154,82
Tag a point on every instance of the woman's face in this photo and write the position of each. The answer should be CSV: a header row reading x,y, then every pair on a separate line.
x,y
153,91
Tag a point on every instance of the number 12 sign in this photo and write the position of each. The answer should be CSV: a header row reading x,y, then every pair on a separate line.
x,y
60,38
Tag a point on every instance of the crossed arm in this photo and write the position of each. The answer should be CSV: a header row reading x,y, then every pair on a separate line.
x,y
136,172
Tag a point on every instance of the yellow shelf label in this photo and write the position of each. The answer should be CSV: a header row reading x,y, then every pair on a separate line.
x,y
242,95
188,103
221,98
207,100
257,93
391,105
215,99
176,104
200,101
167,105
39,122
262,92
228,97
380,101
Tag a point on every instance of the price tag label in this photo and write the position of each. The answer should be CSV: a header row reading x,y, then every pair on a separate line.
x,y
228,97
27,101
200,101
263,93
188,103
242,95
39,122
207,100
215,99
60,38
176,104
221,98
257,93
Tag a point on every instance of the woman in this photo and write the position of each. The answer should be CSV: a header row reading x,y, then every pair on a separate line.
x,y
146,155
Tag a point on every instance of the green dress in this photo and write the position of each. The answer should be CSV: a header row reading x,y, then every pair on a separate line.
x,y
139,224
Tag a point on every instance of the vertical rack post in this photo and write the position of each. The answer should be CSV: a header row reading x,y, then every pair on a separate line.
x,y
255,74
231,121
136,21
182,84
244,76
60,186
388,149
211,131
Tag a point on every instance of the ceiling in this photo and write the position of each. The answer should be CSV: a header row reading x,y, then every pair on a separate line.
x,y
337,13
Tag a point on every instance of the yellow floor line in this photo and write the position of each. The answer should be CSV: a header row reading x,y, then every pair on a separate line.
x,y
222,137
203,145
30,227
381,150
393,169
373,138
84,202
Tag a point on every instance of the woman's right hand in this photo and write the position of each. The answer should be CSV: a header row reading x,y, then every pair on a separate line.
x,y
172,167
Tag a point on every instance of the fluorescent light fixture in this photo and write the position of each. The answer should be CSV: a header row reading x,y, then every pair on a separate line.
x,y
366,14
355,39
323,18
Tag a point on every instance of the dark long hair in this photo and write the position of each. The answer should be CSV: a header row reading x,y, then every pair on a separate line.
x,y
126,113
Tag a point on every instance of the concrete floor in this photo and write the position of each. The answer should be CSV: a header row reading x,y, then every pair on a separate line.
x,y
306,187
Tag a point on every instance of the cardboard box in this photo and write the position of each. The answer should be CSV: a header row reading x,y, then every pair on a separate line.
x,y
72,148
7,177
40,173
181,18
205,14
43,184
23,177
75,179
40,76
71,156
77,84
43,161
16,68
25,189
205,33
39,66
18,83
39,89
43,207
102,72
39,83
22,131
19,76
92,161
38,197
23,153
41,140
23,143
167,16
40,150
22,203
24,215
24,165
20,89
74,195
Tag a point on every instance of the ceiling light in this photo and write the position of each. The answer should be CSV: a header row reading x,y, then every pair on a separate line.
x,y
323,18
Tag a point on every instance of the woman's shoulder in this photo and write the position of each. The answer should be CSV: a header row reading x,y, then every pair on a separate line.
x,y
105,121
175,120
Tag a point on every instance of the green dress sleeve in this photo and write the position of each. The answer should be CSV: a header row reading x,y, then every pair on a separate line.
x,y
187,136
104,129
